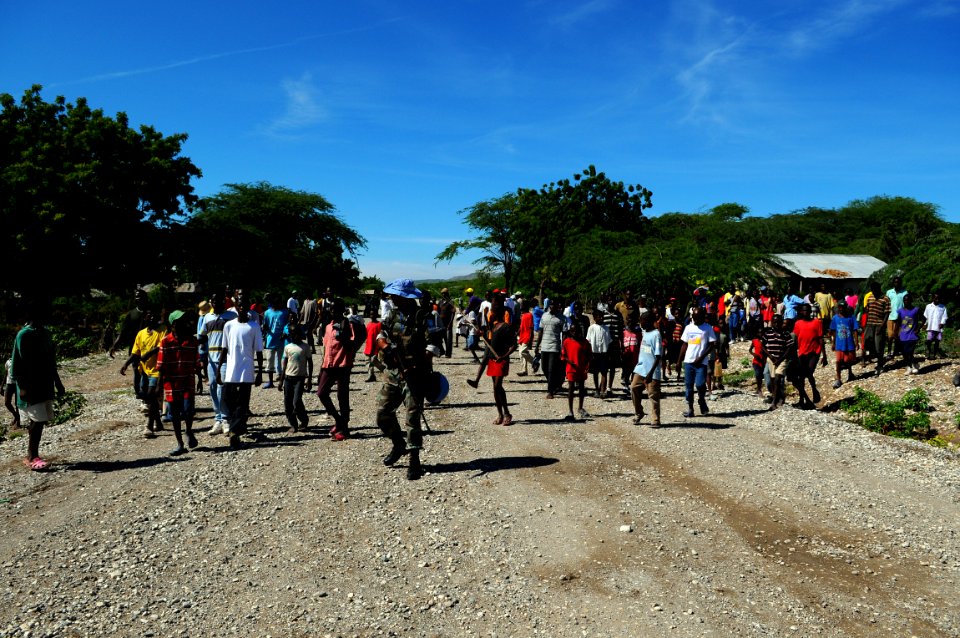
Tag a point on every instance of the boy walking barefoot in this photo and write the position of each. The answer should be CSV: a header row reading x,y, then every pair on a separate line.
x,y
178,364
575,351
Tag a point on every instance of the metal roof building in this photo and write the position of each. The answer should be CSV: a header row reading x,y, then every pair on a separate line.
x,y
837,271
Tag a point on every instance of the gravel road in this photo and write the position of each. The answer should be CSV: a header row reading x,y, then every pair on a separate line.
x,y
739,523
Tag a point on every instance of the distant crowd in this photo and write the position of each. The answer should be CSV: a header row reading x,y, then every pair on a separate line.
x,y
624,343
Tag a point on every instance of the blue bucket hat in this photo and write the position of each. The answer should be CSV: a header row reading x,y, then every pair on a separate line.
x,y
402,288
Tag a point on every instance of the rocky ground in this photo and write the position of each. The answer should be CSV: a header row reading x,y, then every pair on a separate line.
x,y
741,522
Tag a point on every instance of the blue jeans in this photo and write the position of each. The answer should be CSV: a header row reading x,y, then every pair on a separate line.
x,y
694,374
216,392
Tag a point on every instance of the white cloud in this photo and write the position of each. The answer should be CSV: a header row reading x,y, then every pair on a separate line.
x,y
581,11
303,107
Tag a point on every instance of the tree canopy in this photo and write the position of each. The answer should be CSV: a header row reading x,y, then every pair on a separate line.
x,y
85,192
270,238
495,222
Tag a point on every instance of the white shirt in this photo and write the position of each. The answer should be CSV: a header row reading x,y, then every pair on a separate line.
x,y
242,341
598,336
697,339
385,307
485,307
293,305
936,316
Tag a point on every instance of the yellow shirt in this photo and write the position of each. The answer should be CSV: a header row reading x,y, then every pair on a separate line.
x,y
148,339
825,300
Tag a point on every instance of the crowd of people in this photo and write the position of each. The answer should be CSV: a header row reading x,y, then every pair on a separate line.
x,y
625,344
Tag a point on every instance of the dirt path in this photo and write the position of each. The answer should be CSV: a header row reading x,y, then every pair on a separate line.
x,y
736,523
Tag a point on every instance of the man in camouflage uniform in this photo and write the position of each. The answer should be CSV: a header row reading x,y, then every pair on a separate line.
x,y
403,340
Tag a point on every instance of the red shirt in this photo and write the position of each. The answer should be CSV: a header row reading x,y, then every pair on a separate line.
x,y
370,348
757,352
178,362
526,329
576,352
809,336
631,348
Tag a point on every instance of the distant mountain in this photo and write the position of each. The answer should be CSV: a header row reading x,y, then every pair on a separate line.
x,y
473,275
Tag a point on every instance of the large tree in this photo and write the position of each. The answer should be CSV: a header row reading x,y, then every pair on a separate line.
x,y
270,238
494,223
554,219
86,195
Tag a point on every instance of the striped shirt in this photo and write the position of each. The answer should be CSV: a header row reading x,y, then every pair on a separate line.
x,y
878,309
775,343
213,330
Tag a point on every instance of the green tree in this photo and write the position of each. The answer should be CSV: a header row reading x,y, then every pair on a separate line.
x,y
269,238
563,213
494,222
86,194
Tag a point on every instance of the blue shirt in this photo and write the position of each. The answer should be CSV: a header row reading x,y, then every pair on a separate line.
x,y
651,347
845,329
274,321
790,303
537,313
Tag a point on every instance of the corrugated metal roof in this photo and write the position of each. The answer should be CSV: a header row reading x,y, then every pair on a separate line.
x,y
829,266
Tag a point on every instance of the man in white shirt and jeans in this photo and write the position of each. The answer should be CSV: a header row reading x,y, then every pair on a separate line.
x,y
698,340
242,345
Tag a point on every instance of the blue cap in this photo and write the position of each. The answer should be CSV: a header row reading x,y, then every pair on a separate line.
x,y
402,288
546,302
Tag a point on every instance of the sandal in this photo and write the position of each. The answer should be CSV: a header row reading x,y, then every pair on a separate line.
x,y
38,464
498,421
507,420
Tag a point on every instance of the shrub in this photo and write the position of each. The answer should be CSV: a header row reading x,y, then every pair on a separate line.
x,y
891,417
68,407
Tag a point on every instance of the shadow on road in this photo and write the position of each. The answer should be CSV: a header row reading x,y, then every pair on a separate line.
x,y
99,467
487,466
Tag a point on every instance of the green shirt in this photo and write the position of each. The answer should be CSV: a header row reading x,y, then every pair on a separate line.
x,y
34,368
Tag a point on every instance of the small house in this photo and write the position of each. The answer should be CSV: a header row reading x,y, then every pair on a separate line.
x,y
808,270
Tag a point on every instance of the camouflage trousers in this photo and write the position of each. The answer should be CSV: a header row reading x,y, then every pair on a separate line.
x,y
394,393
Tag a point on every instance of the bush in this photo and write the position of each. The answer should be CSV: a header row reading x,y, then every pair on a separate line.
x,y
70,344
891,417
68,407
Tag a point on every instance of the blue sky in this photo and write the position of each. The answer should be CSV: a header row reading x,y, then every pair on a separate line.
x,y
404,113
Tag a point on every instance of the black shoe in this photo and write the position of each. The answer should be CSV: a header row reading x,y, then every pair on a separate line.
x,y
704,408
689,412
472,383
395,455
414,469
816,396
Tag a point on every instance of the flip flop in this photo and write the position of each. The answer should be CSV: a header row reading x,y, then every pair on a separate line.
x,y
498,421
38,464
507,420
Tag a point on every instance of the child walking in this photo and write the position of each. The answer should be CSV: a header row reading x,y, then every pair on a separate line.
x,y
575,351
910,322
843,330
178,365
935,315
292,380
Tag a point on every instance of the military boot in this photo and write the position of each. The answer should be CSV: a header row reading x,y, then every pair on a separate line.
x,y
398,450
414,469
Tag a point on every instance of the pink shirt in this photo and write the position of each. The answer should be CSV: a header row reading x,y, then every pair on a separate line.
x,y
336,354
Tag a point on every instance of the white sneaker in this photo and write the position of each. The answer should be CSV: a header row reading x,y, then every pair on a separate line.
x,y
216,429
